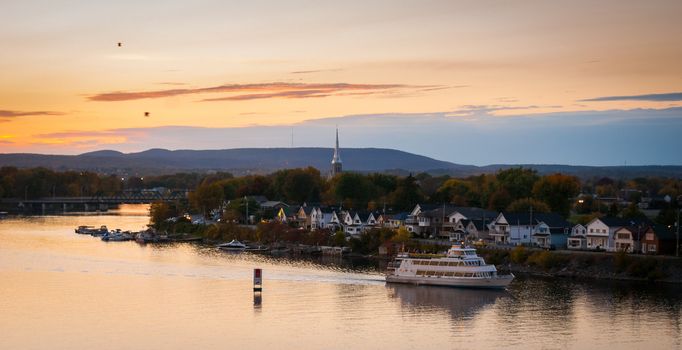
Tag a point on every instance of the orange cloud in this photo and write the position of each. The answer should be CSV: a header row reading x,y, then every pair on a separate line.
x,y
6,114
270,90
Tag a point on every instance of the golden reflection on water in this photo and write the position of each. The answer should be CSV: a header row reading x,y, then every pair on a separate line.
x,y
63,290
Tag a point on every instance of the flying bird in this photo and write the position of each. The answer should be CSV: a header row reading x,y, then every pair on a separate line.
x,y
120,44
146,114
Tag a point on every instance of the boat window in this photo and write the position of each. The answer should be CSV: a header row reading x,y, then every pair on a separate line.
x,y
443,263
439,273
449,273
434,263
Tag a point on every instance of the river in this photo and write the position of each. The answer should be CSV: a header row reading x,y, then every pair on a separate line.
x,y
61,290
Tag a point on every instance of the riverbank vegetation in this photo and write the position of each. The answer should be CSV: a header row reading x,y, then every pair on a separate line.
x,y
514,189
585,264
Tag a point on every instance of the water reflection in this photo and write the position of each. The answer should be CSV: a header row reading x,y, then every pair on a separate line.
x,y
257,300
57,281
461,303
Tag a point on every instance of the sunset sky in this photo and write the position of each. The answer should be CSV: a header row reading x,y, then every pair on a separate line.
x,y
473,82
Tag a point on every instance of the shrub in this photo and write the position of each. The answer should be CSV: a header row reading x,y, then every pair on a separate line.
x,y
648,268
547,260
518,255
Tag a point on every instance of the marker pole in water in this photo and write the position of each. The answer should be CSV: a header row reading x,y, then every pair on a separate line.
x,y
257,280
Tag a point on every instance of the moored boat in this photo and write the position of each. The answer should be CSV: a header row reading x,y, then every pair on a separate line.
x,y
117,236
461,267
233,246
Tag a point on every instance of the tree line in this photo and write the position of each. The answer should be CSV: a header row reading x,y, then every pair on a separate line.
x,y
514,189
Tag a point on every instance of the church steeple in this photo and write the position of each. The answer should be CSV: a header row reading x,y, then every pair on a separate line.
x,y
336,160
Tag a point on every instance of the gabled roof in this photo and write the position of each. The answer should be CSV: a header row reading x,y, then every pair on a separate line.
x,y
475,213
307,210
288,211
611,221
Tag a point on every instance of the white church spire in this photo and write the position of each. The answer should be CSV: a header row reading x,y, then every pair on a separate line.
x,y
336,160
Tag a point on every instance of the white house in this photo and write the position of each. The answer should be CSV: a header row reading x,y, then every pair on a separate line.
x,y
576,240
600,232
628,238
542,229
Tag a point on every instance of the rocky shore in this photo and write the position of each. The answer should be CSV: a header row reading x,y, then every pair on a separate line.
x,y
586,265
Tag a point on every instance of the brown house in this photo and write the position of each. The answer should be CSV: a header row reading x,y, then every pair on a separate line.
x,y
658,239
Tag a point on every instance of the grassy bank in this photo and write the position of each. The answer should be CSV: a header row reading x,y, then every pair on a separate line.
x,y
620,266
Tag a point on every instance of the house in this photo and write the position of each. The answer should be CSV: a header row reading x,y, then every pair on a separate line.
x,y
328,219
286,215
443,221
474,222
511,228
600,232
576,240
550,230
476,229
541,229
394,221
416,222
304,217
659,239
627,239
357,222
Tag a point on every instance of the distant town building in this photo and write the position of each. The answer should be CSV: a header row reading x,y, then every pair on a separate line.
x,y
336,160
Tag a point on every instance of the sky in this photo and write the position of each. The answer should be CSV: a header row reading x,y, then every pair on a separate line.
x,y
471,82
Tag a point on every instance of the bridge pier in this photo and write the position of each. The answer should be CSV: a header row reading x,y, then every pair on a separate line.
x,y
87,208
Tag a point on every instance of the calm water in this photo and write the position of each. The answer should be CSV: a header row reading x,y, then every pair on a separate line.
x,y
62,290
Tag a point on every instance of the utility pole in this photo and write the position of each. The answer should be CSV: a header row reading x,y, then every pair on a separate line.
x,y
677,246
246,220
532,227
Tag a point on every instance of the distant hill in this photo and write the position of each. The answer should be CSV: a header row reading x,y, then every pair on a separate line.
x,y
264,160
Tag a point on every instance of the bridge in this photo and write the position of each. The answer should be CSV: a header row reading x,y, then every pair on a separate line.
x,y
91,203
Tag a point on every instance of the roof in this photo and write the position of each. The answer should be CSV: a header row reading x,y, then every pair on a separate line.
x,y
475,213
288,211
399,216
663,232
307,210
272,204
552,220
611,221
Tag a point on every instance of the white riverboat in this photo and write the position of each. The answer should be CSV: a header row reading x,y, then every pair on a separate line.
x,y
461,267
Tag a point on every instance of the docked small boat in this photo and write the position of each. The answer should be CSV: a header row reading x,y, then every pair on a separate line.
x,y
117,236
233,246
461,267
91,230
150,236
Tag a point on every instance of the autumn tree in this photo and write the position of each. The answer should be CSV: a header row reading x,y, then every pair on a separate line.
x,y
557,191
407,194
524,204
518,182
207,197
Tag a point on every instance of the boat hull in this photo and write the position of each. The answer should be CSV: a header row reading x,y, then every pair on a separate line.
x,y
499,282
